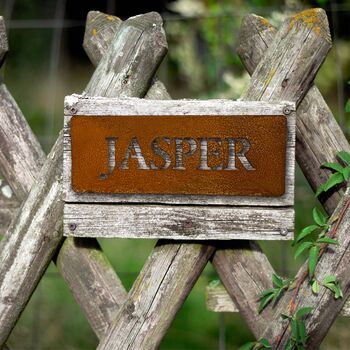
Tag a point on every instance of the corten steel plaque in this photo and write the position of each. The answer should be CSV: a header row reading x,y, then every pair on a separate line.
x,y
179,155
186,169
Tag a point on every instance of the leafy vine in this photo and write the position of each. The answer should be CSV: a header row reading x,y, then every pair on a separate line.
x,y
316,246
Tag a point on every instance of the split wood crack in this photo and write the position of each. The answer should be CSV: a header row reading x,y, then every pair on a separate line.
x,y
303,48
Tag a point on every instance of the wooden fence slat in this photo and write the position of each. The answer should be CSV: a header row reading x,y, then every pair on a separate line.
x,y
318,134
314,116
33,239
158,292
283,70
140,47
218,300
99,32
8,209
100,293
26,147
325,307
31,271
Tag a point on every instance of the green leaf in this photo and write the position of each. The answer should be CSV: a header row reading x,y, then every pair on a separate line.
x,y
248,346
266,292
347,106
334,180
265,343
277,281
276,296
300,347
313,258
333,166
345,156
302,332
302,312
315,287
303,246
305,232
289,345
264,301
346,173
330,279
294,325
328,240
320,189
319,218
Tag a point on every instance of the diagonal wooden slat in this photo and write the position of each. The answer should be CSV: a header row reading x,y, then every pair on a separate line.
x,y
319,137
298,33
326,308
282,71
27,271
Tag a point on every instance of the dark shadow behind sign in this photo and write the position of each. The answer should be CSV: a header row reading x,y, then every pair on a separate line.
x,y
188,169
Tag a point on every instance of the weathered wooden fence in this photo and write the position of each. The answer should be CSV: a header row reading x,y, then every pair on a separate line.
x,y
283,64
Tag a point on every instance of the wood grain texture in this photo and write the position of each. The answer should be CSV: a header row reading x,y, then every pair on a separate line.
x,y
286,71
110,295
245,271
95,271
21,156
291,62
218,300
100,30
315,116
140,46
13,310
101,106
31,242
8,210
178,222
4,46
325,308
160,289
318,135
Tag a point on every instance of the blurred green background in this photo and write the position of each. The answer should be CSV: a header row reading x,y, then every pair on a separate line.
x,y
47,62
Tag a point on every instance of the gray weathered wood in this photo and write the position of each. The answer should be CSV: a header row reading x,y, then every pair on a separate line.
x,y
318,135
160,289
21,156
31,242
99,33
288,78
335,261
95,271
4,46
19,144
140,47
13,310
187,256
104,106
178,222
8,209
117,333
218,300
100,29
245,271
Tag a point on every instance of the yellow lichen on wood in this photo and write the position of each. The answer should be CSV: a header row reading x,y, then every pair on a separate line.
x,y
94,32
269,78
111,18
265,22
312,18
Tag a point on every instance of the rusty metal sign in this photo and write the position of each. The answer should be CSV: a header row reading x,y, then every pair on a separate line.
x,y
176,154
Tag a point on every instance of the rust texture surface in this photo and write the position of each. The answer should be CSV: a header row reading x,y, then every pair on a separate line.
x,y
199,155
